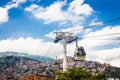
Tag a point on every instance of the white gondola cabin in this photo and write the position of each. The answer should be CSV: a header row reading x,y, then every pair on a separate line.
x,y
79,53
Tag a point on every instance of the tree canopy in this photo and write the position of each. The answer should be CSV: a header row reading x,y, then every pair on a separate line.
x,y
78,74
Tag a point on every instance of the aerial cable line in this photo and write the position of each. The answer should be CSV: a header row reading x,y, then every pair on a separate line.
x,y
46,52
100,35
117,38
100,24
49,49
59,53
53,48
111,20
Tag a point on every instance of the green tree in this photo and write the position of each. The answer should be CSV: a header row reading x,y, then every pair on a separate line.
x,y
78,74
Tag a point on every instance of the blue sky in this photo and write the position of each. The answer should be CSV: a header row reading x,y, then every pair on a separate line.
x,y
28,26
24,23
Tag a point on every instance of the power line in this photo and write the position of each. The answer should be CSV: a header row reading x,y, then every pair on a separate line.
x,y
49,49
111,20
100,35
59,53
98,24
117,38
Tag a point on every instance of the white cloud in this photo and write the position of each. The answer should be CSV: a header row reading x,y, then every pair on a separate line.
x,y
4,10
109,56
96,41
95,22
54,12
30,45
51,34
14,3
49,14
3,15
86,31
74,29
37,1
78,7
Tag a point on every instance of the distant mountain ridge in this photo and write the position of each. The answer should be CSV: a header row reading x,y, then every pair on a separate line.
x,y
35,57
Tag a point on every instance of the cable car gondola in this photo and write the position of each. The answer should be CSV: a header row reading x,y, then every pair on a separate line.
x,y
79,53
56,62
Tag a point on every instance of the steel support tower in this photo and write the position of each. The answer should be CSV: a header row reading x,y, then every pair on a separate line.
x,y
67,38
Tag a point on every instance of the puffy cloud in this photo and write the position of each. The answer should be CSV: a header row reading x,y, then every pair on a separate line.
x,y
95,22
109,56
4,10
30,45
54,12
74,29
37,1
79,8
3,15
51,34
96,41
14,3
49,14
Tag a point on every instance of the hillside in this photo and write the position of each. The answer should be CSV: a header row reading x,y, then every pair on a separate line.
x,y
13,67
36,57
